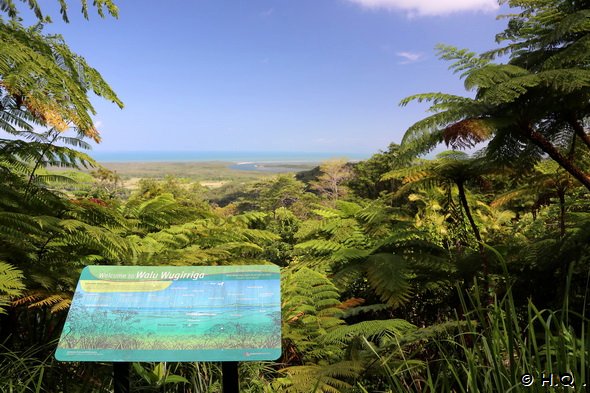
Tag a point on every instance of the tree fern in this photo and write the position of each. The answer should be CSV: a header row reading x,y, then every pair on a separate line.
x,y
319,379
528,100
374,330
205,241
11,284
310,309
28,57
102,6
372,243
388,275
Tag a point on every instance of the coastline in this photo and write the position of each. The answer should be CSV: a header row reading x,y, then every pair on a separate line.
x,y
211,169
245,157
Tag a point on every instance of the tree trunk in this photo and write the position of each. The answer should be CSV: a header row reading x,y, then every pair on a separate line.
x,y
572,154
465,204
561,194
475,229
540,141
579,130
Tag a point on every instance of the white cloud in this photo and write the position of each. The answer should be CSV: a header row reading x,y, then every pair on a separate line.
x,y
97,124
430,7
410,57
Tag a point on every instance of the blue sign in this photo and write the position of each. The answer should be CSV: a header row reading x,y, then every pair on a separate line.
x,y
172,313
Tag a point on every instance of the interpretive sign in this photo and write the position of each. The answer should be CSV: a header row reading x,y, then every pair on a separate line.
x,y
141,313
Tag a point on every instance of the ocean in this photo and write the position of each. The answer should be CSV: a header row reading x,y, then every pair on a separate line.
x,y
238,157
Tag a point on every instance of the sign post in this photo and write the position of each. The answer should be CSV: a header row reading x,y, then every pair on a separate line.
x,y
230,378
125,314
121,377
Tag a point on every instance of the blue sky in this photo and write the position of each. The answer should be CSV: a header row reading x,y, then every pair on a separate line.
x,y
261,75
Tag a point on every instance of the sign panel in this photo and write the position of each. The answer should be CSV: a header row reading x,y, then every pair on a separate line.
x,y
172,313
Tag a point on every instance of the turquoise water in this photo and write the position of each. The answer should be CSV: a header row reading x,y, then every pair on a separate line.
x,y
227,156
214,307
212,323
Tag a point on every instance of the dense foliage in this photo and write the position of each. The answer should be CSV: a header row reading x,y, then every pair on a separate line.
x,y
453,274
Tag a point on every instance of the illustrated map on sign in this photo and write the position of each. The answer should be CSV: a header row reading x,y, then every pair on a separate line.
x,y
140,313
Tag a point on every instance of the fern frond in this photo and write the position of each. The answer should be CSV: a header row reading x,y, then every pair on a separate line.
x,y
373,330
464,60
309,310
11,284
319,378
365,309
29,59
319,246
62,305
347,208
560,81
248,218
493,74
242,247
388,276
326,212
47,301
576,53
